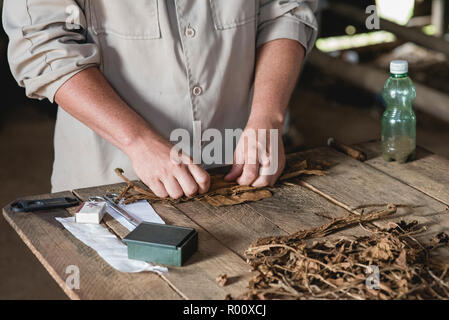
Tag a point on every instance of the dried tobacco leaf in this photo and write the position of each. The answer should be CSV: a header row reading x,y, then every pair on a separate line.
x,y
328,228
295,169
380,251
223,193
289,267
222,280
220,200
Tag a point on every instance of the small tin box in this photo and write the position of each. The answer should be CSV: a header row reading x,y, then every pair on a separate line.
x,y
161,243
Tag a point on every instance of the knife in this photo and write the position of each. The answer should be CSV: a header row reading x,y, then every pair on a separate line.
x,y
43,204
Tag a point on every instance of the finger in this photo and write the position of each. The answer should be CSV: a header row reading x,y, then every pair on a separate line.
x,y
237,167
249,175
266,178
158,188
251,149
172,186
251,167
263,181
275,177
236,171
201,177
264,158
187,182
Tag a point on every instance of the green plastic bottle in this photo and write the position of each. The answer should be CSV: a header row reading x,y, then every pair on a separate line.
x,y
399,120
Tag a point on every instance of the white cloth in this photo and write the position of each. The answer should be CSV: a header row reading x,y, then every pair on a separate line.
x,y
108,246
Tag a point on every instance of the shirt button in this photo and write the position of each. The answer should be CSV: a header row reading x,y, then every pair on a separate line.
x,y
190,32
197,91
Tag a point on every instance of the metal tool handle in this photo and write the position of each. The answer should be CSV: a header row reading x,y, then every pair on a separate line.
x,y
109,199
44,204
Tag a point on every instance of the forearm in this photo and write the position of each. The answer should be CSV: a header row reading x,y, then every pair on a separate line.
x,y
88,97
277,69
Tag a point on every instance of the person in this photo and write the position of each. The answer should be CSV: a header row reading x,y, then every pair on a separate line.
x,y
126,74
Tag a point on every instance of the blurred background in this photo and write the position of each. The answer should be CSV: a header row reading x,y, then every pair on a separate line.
x,y
338,95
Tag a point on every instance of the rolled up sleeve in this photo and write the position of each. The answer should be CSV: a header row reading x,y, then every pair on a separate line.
x,y
280,19
47,44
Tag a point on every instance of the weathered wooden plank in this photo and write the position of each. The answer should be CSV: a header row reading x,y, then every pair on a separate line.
x,y
351,184
290,209
348,184
197,279
57,249
429,173
234,226
294,207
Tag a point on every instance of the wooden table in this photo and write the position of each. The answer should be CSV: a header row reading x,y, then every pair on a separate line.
x,y
225,232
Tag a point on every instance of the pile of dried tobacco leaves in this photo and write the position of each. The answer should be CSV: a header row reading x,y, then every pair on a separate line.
x,y
223,193
289,267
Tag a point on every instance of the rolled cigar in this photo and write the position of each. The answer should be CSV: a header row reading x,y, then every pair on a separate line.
x,y
350,151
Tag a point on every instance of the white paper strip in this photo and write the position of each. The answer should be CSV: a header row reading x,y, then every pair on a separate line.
x,y
143,210
108,246
119,218
140,209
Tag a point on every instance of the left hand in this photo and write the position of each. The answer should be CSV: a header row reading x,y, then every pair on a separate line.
x,y
258,163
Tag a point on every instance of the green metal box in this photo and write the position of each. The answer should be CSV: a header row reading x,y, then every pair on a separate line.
x,y
161,243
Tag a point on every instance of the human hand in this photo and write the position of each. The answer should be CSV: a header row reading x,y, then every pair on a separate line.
x,y
259,158
155,166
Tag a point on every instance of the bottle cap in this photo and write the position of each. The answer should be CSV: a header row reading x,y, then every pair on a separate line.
x,y
398,67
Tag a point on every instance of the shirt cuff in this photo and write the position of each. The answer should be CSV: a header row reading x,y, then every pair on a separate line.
x,y
286,27
34,88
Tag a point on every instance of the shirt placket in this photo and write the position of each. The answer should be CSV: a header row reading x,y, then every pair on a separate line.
x,y
188,35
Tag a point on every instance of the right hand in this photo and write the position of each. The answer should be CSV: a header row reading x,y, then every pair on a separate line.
x,y
151,160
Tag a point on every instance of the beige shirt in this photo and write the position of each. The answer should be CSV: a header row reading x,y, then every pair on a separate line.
x,y
174,62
